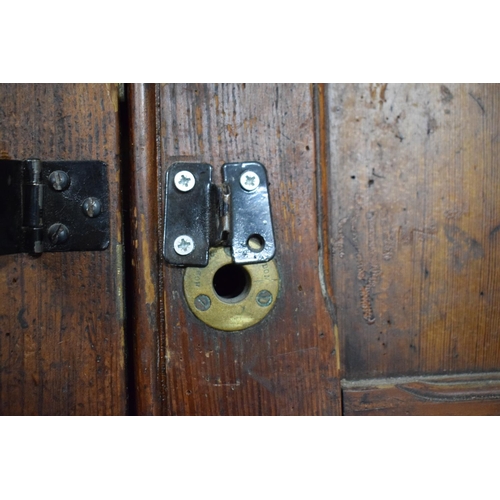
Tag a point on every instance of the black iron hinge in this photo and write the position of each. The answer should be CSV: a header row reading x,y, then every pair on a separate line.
x,y
200,215
53,206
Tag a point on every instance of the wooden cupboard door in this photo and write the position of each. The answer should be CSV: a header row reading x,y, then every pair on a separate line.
x,y
414,247
288,363
386,210
386,213
62,314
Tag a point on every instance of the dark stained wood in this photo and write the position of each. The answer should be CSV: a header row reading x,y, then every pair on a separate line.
x,y
467,394
414,218
287,364
145,257
61,315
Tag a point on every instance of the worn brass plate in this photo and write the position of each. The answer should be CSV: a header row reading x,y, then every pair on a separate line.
x,y
237,313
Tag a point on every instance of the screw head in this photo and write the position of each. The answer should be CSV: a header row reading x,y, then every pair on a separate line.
x,y
202,302
59,180
249,180
184,180
92,207
184,245
58,233
264,298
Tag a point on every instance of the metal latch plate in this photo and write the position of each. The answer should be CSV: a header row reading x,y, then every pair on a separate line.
x,y
251,228
199,215
188,213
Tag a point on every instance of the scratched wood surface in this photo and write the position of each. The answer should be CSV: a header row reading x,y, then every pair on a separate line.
x,y
288,364
61,315
465,394
144,261
414,239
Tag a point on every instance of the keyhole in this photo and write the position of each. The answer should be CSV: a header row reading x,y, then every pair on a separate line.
x,y
231,283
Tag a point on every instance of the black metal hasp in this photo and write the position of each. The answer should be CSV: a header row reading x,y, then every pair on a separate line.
x,y
53,206
200,215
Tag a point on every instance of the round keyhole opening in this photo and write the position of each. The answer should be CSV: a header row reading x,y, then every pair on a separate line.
x,y
231,283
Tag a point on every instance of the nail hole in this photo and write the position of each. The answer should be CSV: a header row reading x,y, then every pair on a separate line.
x,y
256,243
231,283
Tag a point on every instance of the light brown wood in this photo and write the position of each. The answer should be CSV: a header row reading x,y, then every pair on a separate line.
x,y
62,314
414,224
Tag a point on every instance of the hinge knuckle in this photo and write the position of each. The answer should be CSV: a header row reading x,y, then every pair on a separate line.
x,y
32,206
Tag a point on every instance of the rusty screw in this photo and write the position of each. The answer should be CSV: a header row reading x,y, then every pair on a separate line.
x,y
91,207
58,234
264,298
202,302
59,180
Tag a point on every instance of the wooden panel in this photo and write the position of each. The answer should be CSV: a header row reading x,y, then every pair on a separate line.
x,y
287,364
414,227
61,315
143,228
442,395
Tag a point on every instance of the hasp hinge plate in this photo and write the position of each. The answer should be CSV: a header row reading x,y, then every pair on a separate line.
x,y
53,206
200,215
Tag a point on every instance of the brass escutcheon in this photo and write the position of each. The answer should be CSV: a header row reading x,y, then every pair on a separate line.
x,y
253,301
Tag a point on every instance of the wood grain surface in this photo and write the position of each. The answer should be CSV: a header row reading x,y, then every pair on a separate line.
x,y
288,364
61,314
144,261
386,209
414,219
465,394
